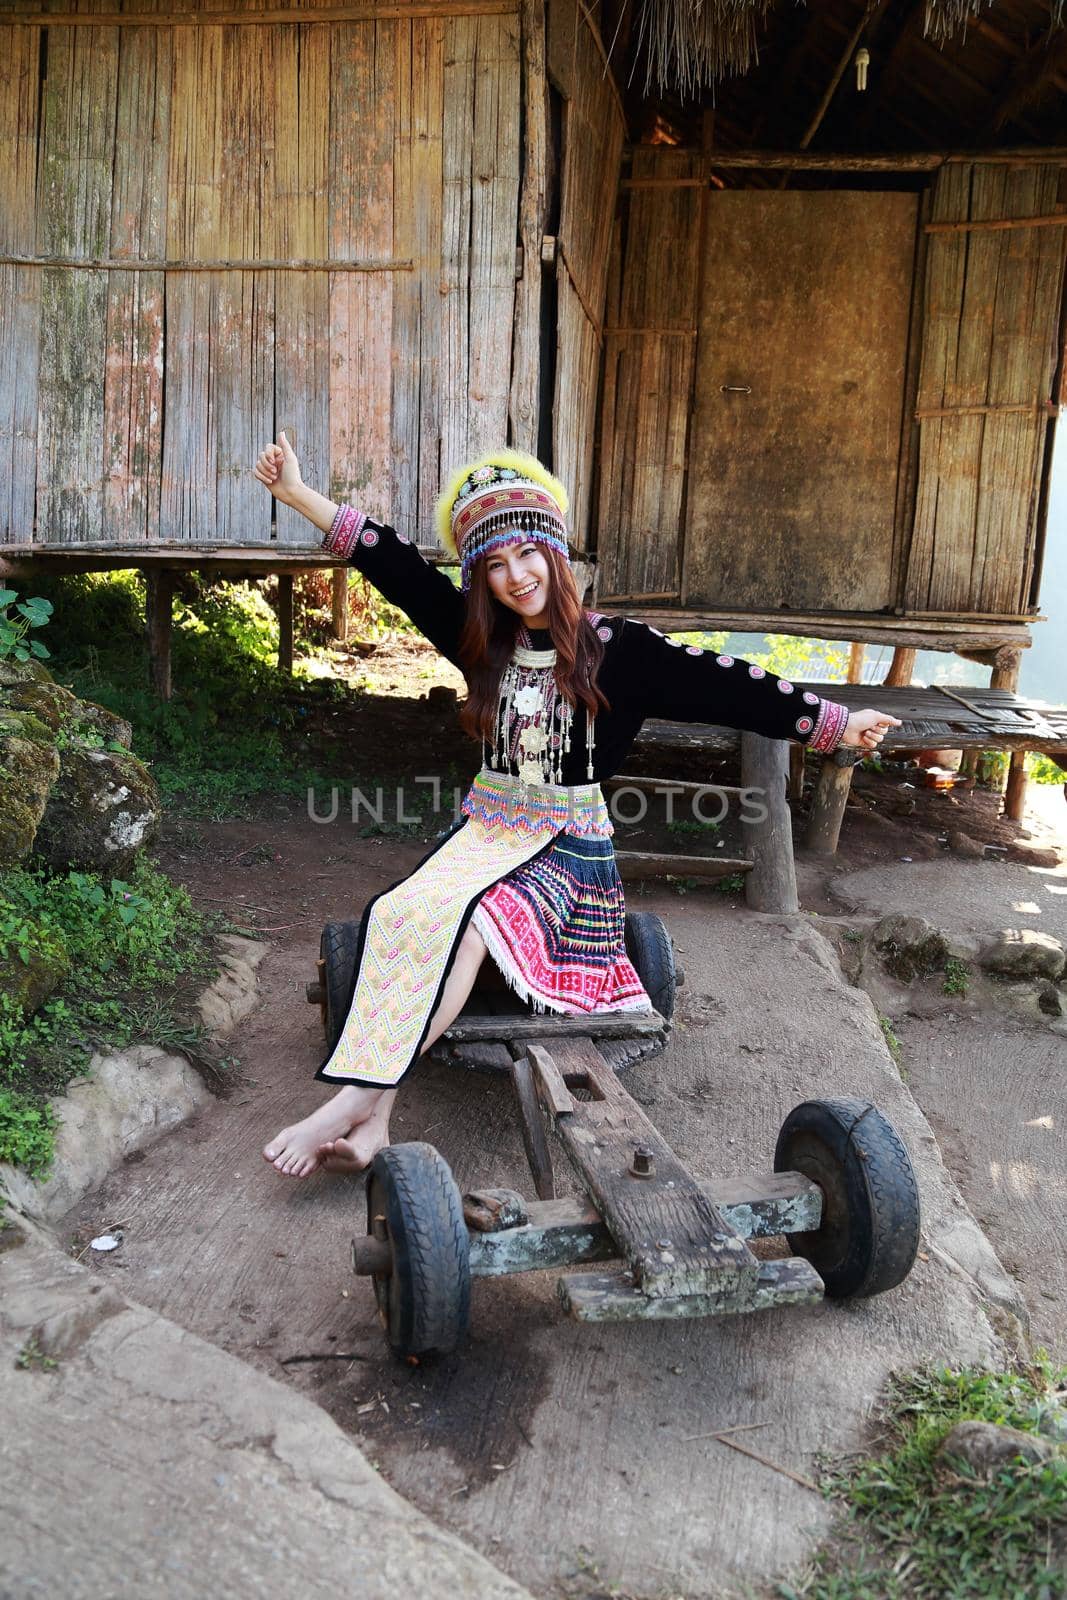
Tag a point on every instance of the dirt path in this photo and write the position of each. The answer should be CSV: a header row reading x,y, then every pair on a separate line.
x,y
573,1457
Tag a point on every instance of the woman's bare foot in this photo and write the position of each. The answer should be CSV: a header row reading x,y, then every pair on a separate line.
x,y
356,1150
295,1152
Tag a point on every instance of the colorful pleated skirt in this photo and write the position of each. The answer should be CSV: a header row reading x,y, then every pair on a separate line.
x,y
534,868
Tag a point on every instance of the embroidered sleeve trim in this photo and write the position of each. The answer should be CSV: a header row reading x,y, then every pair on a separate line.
x,y
830,725
345,529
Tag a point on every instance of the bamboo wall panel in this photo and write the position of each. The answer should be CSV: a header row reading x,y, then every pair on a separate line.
x,y
20,287
390,148
362,120
133,377
74,217
991,320
593,133
792,486
649,349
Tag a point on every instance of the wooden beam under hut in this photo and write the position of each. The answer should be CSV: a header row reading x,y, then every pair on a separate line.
x,y
339,604
285,622
159,617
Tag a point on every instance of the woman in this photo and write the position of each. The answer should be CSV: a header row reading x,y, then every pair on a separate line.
x,y
557,696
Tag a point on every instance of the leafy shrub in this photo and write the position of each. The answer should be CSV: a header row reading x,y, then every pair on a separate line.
x,y
14,629
27,1129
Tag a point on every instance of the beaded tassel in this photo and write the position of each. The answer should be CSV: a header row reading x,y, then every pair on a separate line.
x,y
534,723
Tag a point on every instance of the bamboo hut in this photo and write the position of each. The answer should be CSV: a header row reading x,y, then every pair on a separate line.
x,y
796,346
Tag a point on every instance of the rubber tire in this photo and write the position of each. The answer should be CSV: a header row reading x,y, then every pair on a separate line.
x,y
649,947
869,1235
425,1300
337,947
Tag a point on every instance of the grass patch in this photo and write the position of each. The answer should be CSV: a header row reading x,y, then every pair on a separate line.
x,y
912,1529
895,1049
236,728
957,976
130,948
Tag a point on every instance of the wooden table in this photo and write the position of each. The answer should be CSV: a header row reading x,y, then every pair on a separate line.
x,y
967,718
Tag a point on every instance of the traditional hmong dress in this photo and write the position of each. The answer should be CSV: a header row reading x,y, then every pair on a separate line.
x,y
530,861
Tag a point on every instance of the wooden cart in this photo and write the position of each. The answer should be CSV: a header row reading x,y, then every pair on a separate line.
x,y
666,1243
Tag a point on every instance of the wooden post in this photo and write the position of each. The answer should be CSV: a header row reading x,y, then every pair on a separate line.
x,y
524,404
796,770
901,668
340,604
772,883
855,662
285,621
828,809
1015,792
159,602
1005,675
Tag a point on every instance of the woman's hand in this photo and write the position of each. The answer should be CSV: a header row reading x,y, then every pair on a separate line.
x,y
867,729
278,468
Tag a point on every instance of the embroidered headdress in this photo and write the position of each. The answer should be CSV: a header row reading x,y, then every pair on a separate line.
x,y
503,496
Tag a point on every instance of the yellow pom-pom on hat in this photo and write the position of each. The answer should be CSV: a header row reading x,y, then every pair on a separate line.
x,y
500,498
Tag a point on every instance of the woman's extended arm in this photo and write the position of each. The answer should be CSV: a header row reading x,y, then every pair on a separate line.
x,y
386,558
683,683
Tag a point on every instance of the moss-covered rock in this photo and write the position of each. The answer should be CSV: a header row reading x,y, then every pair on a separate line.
x,y
13,672
104,807
105,724
49,702
29,767
29,983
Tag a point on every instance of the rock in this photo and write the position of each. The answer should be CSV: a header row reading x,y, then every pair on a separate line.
x,y
127,1102
29,767
961,844
13,672
103,809
1049,999
987,1447
1023,953
910,947
107,724
30,982
233,994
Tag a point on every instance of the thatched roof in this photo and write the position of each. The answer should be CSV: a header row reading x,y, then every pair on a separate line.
x,y
942,72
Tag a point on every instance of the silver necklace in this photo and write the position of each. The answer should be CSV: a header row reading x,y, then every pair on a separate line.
x,y
534,723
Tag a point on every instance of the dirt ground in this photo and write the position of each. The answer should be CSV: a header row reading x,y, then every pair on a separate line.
x,y
218,1243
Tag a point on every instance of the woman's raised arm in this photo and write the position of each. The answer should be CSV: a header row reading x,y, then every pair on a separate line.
x,y
683,683
387,559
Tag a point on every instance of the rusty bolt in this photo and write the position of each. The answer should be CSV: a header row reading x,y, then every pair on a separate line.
x,y
643,1164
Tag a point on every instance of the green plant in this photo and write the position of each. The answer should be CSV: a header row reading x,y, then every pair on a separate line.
x,y
31,1355
957,976
15,629
890,1037
27,1129
1042,769
733,883
701,829
914,1528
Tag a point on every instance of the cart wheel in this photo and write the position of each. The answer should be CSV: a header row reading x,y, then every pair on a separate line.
x,y
649,947
337,949
869,1234
414,1205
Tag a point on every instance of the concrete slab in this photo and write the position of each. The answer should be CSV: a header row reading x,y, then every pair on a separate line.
x,y
557,1449
145,1461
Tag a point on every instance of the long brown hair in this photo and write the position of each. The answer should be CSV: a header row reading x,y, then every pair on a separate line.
x,y
488,638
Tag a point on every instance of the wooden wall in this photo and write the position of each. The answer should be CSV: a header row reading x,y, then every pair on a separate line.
x,y
989,356
381,157
593,129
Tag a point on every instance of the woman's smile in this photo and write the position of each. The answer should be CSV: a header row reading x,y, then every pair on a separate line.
x,y
519,577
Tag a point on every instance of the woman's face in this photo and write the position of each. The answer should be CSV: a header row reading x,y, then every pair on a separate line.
x,y
518,576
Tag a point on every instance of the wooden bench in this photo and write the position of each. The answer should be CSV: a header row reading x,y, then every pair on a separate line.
x,y
970,719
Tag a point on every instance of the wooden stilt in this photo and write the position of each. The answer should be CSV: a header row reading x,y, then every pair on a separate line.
x,y
285,621
340,604
796,771
901,668
159,602
1015,793
1005,675
855,661
828,810
969,764
772,883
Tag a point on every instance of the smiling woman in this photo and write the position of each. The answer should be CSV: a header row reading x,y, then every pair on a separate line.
x,y
557,696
